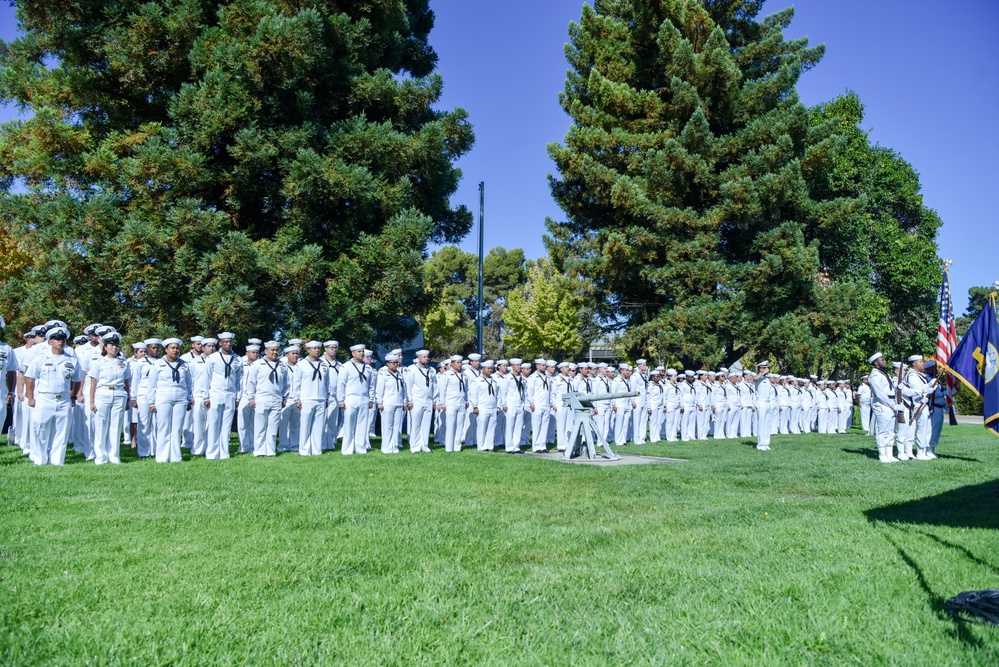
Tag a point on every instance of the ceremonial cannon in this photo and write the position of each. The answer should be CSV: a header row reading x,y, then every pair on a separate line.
x,y
584,432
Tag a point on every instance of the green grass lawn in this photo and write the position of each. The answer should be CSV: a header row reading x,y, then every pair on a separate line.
x,y
811,554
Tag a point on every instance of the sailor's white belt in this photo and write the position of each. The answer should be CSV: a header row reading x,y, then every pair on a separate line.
x,y
48,393
121,389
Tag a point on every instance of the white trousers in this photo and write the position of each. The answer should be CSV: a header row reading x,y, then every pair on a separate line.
x,y
244,426
50,422
884,432
641,423
622,425
500,438
746,416
485,429
794,422
170,413
514,423
355,425
764,427
107,425
312,428
392,428
199,426
145,432
470,429
220,426
290,424
865,416
266,423
844,419
822,419
688,423
539,427
670,426
334,419
454,417
563,423
656,424
703,422
420,417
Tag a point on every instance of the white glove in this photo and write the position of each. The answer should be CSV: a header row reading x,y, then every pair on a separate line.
x,y
898,407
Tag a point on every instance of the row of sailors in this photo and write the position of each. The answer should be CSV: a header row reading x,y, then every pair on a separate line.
x,y
166,402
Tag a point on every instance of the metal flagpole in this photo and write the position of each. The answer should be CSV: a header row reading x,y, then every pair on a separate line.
x,y
482,235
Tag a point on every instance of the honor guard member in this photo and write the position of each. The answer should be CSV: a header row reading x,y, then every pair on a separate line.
x,y
939,408
109,382
864,398
539,397
623,407
764,396
354,390
454,395
334,417
918,389
883,408
198,430
245,431
311,394
224,379
8,382
513,390
267,391
51,386
421,392
174,396
190,356
143,398
390,397
290,415
563,416
484,398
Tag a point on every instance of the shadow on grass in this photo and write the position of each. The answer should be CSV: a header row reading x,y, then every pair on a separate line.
x,y
869,453
974,506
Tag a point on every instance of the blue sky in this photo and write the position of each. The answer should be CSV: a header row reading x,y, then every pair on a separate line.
x,y
926,71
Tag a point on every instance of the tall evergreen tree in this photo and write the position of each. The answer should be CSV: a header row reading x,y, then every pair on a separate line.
x,y
258,165
688,179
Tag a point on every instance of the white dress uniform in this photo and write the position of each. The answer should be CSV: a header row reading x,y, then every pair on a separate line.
x,y
747,398
562,384
111,375
334,415
832,401
471,429
702,408
794,418
864,397
268,388
539,395
88,354
845,407
605,410
421,388
144,393
671,410
311,388
8,365
244,413
199,419
390,397
291,422
734,407
821,410
623,418
688,416
454,394
223,383
883,411
354,389
807,409
484,396
783,424
640,416
918,392
656,400
719,401
22,435
765,398
54,377
499,439
174,390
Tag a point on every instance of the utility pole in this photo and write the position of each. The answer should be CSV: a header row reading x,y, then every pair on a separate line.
x,y
482,236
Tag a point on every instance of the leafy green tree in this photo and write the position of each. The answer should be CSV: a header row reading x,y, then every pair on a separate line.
x,y
544,316
709,207
262,166
978,297
451,275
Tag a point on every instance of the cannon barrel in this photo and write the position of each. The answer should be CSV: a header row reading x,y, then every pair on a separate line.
x,y
580,401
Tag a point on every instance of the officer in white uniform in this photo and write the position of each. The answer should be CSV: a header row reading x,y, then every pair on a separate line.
x,y
244,412
311,394
765,398
267,390
421,391
52,383
224,380
174,395
354,390
109,378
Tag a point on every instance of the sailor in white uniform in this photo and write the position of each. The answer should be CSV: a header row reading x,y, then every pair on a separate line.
x,y
224,379
390,397
421,392
267,390
52,383
334,416
484,398
311,394
354,390
172,378
245,431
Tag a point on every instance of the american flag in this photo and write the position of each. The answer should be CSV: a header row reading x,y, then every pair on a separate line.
x,y
946,333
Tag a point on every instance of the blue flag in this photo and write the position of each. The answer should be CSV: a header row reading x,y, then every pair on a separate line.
x,y
976,362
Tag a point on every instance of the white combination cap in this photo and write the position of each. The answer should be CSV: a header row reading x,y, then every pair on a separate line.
x,y
172,341
113,337
91,329
874,357
763,364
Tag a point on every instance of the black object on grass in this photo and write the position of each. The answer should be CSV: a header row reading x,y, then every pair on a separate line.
x,y
975,606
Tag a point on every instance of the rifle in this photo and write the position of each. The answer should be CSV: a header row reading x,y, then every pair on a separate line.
x,y
900,415
922,405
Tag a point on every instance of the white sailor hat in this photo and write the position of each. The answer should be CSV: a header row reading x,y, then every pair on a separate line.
x,y
701,371
723,370
488,363
153,341
331,343
747,373
209,341
711,374
271,343
550,363
640,362
397,351
91,329
292,348
443,364
253,348
610,368
313,343
295,341
80,340
355,348
602,365
772,376
816,377
864,377
689,373
197,339
420,353
112,337
564,364
874,357
172,341
226,334
253,341
763,364
896,364
474,357
915,357
625,367
368,353
670,371
516,362
572,366
502,362
456,357
391,357
102,330
654,371
139,346
539,361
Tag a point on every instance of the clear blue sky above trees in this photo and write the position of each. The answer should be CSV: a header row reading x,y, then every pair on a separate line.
x,y
924,69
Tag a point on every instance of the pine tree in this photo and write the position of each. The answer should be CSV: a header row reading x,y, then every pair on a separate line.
x,y
261,166
688,179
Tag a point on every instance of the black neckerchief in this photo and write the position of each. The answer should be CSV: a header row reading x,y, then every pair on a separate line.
x,y
626,384
461,381
228,364
544,380
273,375
520,385
426,376
489,382
606,386
175,369
360,371
587,381
398,380
316,371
